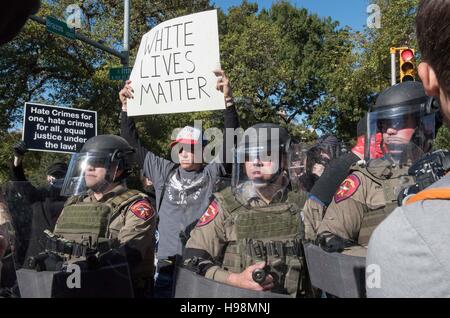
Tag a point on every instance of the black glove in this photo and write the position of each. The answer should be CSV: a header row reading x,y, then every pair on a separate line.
x,y
332,243
45,261
20,148
407,191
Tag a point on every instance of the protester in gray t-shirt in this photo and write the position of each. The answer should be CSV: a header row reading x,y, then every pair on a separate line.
x,y
183,190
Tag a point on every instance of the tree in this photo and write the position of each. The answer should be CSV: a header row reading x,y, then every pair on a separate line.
x,y
365,71
43,67
280,60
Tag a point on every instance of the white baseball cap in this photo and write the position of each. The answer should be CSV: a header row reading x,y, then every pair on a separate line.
x,y
189,135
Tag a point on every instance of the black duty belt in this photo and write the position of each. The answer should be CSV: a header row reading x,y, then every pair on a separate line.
x,y
275,249
166,265
59,245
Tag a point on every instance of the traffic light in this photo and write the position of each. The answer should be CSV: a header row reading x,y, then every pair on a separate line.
x,y
407,65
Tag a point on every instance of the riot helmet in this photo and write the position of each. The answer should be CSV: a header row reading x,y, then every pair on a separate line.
x,y
329,146
297,159
261,164
111,153
405,117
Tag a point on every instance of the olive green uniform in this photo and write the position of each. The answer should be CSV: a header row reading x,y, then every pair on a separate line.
x,y
364,200
312,214
235,236
120,217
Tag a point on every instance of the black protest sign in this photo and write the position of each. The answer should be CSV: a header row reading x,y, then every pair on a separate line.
x,y
57,129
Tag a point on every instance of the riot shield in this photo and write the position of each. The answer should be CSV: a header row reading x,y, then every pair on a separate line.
x,y
15,221
337,274
192,285
108,281
53,267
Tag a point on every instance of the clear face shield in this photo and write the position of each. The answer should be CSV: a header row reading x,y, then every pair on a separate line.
x,y
89,170
402,134
56,183
260,173
297,160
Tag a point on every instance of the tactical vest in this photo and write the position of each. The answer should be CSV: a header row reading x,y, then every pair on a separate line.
x,y
391,180
272,234
88,222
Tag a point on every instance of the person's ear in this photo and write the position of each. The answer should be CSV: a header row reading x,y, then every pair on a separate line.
x,y
429,79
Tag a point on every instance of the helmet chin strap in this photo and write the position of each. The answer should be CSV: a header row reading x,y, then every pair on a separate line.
x,y
101,186
269,190
259,183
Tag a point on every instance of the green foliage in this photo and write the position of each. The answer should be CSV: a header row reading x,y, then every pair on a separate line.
x,y
442,139
42,67
280,61
365,71
286,66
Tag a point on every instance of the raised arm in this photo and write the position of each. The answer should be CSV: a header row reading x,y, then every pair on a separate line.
x,y
231,119
155,167
128,127
21,184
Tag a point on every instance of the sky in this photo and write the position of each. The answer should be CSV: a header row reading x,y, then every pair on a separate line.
x,y
348,12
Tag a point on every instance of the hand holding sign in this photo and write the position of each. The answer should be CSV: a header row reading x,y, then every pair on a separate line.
x,y
125,93
222,85
19,149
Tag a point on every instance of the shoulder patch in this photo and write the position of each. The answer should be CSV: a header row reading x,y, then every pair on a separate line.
x,y
142,209
347,188
209,215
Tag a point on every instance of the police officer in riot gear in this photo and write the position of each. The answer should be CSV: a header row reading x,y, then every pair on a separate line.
x,y
252,230
410,247
102,214
324,189
405,117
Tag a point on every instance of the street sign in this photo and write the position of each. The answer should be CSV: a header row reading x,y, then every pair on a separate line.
x,y
119,73
59,27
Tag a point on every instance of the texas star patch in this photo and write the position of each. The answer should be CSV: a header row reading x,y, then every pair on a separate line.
x,y
347,188
142,209
209,215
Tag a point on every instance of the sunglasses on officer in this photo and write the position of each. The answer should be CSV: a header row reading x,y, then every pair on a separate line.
x,y
397,123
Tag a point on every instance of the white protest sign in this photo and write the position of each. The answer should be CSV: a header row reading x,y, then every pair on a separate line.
x,y
173,71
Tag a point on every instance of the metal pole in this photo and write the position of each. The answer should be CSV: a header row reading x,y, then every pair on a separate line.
x,y
368,137
126,32
87,40
393,69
